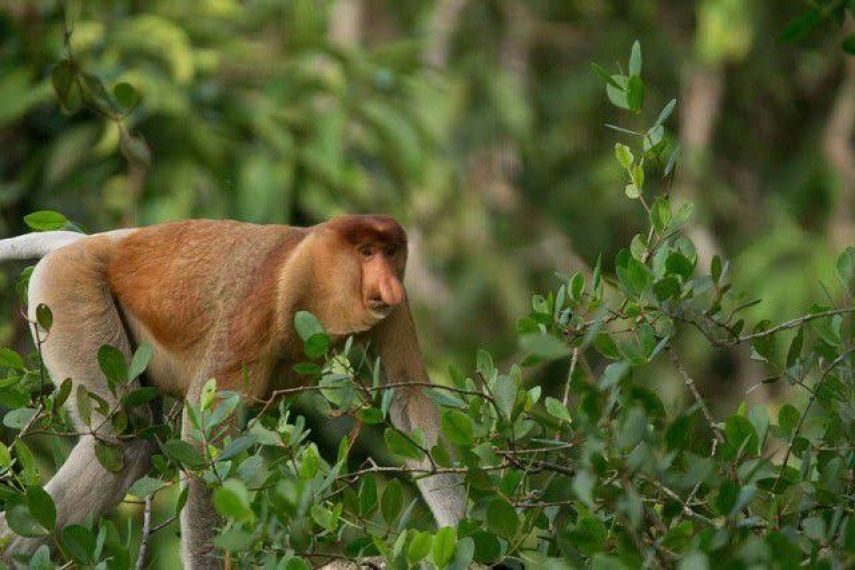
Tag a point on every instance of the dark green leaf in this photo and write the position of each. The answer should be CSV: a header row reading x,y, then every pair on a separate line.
x,y
11,359
23,523
184,453
400,445
635,94
126,95
79,543
41,506
802,25
140,361
146,486
457,427
44,317
232,499
502,518
112,362
140,397
392,501
443,546
110,456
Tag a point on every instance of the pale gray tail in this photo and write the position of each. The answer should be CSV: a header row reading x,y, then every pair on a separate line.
x,y
36,245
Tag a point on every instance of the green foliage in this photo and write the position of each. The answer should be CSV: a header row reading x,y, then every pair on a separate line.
x,y
610,475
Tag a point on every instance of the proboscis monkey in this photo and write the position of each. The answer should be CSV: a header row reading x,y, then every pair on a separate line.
x,y
215,298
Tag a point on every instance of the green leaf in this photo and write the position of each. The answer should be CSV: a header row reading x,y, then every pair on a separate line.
x,y
5,456
605,75
316,345
140,361
63,78
502,518
795,349
848,44
310,463
146,486
505,394
44,317
140,397
112,362
679,264
788,418
846,268
110,456
307,325
63,393
457,428
29,474
634,277
488,549
23,523
11,359
79,543
392,501
444,545
543,346
126,95
660,214
557,409
45,221
589,535
577,287
802,25
367,495
419,547
19,418
400,445
616,91
41,559
84,406
184,453
737,429
666,288
208,394
632,192
232,499
635,94
41,506
715,268
624,155
665,113
635,60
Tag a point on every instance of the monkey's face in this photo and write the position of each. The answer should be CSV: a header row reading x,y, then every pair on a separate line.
x,y
364,271
381,287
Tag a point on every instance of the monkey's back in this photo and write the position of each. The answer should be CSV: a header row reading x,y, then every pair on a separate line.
x,y
182,279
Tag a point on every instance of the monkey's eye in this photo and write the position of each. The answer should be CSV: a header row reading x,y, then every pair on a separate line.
x,y
389,251
366,251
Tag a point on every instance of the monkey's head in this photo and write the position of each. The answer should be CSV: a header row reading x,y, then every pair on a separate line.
x,y
367,255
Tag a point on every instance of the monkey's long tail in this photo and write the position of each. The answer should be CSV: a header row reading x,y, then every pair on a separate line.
x,y
36,245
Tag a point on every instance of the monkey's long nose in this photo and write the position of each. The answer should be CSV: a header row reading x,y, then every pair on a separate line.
x,y
391,291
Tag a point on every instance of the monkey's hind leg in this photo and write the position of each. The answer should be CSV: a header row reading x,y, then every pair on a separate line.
x,y
85,318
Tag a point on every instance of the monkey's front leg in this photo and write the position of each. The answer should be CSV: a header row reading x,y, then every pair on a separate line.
x,y
412,409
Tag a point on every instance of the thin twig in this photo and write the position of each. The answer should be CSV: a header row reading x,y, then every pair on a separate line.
x,y
146,533
693,388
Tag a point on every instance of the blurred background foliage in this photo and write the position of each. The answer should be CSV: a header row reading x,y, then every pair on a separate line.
x,y
479,124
